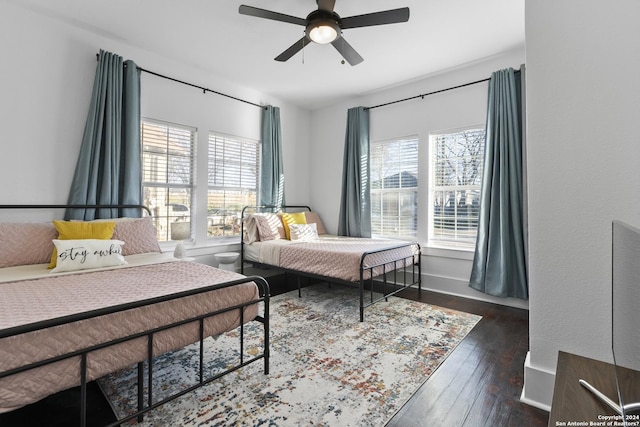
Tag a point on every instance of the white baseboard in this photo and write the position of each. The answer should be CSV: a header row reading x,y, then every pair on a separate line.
x,y
460,288
538,386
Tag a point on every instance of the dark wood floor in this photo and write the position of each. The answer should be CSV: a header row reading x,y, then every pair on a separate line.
x,y
478,385
480,382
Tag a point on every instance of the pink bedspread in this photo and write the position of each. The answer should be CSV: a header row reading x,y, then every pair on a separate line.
x,y
30,301
339,257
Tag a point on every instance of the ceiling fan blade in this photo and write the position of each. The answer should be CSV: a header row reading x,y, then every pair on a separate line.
x,y
267,14
377,18
293,49
347,52
327,5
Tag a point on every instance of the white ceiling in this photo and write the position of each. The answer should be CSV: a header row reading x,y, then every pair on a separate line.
x,y
212,35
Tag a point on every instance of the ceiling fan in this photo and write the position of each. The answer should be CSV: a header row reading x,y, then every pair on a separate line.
x,y
324,26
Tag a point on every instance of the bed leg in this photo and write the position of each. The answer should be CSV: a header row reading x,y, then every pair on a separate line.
x,y
266,326
201,353
150,369
419,275
384,282
83,390
140,390
361,297
241,335
299,286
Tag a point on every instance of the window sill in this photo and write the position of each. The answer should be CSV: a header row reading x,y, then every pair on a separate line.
x,y
206,248
448,252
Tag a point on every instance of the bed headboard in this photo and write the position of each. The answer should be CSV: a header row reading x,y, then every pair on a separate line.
x,y
27,241
248,210
50,207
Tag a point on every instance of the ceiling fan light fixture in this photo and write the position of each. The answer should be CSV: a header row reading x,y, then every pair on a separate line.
x,y
323,31
323,26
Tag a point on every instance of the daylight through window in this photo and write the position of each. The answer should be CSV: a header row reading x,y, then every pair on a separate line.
x,y
456,176
394,188
233,182
167,173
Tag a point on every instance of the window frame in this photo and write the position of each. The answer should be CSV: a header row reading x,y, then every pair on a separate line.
x,y
400,191
162,214
232,220
434,241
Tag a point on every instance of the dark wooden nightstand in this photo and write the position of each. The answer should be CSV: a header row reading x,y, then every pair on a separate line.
x,y
573,404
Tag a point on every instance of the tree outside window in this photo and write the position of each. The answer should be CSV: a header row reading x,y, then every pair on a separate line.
x,y
456,176
394,188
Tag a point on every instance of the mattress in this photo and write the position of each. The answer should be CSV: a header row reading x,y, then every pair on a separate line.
x,y
48,297
37,271
337,257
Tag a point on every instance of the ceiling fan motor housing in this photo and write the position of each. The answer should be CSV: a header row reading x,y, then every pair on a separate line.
x,y
323,26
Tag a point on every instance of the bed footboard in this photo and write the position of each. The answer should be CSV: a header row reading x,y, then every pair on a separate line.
x,y
375,266
146,403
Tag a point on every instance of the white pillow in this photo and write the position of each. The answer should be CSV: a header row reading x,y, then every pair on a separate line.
x,y
87,253
250,230
303,232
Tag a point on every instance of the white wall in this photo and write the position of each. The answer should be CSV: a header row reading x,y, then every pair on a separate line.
x,y
443,270
583,102
46,79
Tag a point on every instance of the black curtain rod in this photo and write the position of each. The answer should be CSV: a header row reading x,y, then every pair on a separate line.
x,y
203,89
430,93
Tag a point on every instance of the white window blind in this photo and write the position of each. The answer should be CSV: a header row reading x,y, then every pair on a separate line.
x,y
233,175
394,188
456,176
167,172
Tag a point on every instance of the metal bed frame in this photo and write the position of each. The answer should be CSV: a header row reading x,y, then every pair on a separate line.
x,y
146,405
395,285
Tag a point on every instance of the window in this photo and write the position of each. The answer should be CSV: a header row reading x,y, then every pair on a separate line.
x,y
394,188
233,182
456,175
167,173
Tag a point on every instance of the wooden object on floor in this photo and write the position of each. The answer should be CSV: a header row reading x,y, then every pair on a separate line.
x,y
574,403
480,383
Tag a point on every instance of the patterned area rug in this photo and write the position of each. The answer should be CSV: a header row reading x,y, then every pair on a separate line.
x,y
327,368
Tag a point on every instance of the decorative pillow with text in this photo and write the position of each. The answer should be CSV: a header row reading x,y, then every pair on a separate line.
x,y
72,230
73,255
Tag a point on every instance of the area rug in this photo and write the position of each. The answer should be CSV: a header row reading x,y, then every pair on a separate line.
x,y
327,368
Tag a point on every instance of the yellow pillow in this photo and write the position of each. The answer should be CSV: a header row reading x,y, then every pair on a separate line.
x,y
75,230
292,218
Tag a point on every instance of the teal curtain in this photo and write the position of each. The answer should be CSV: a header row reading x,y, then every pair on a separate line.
x,y
271,170
108,170
355,203
499,265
